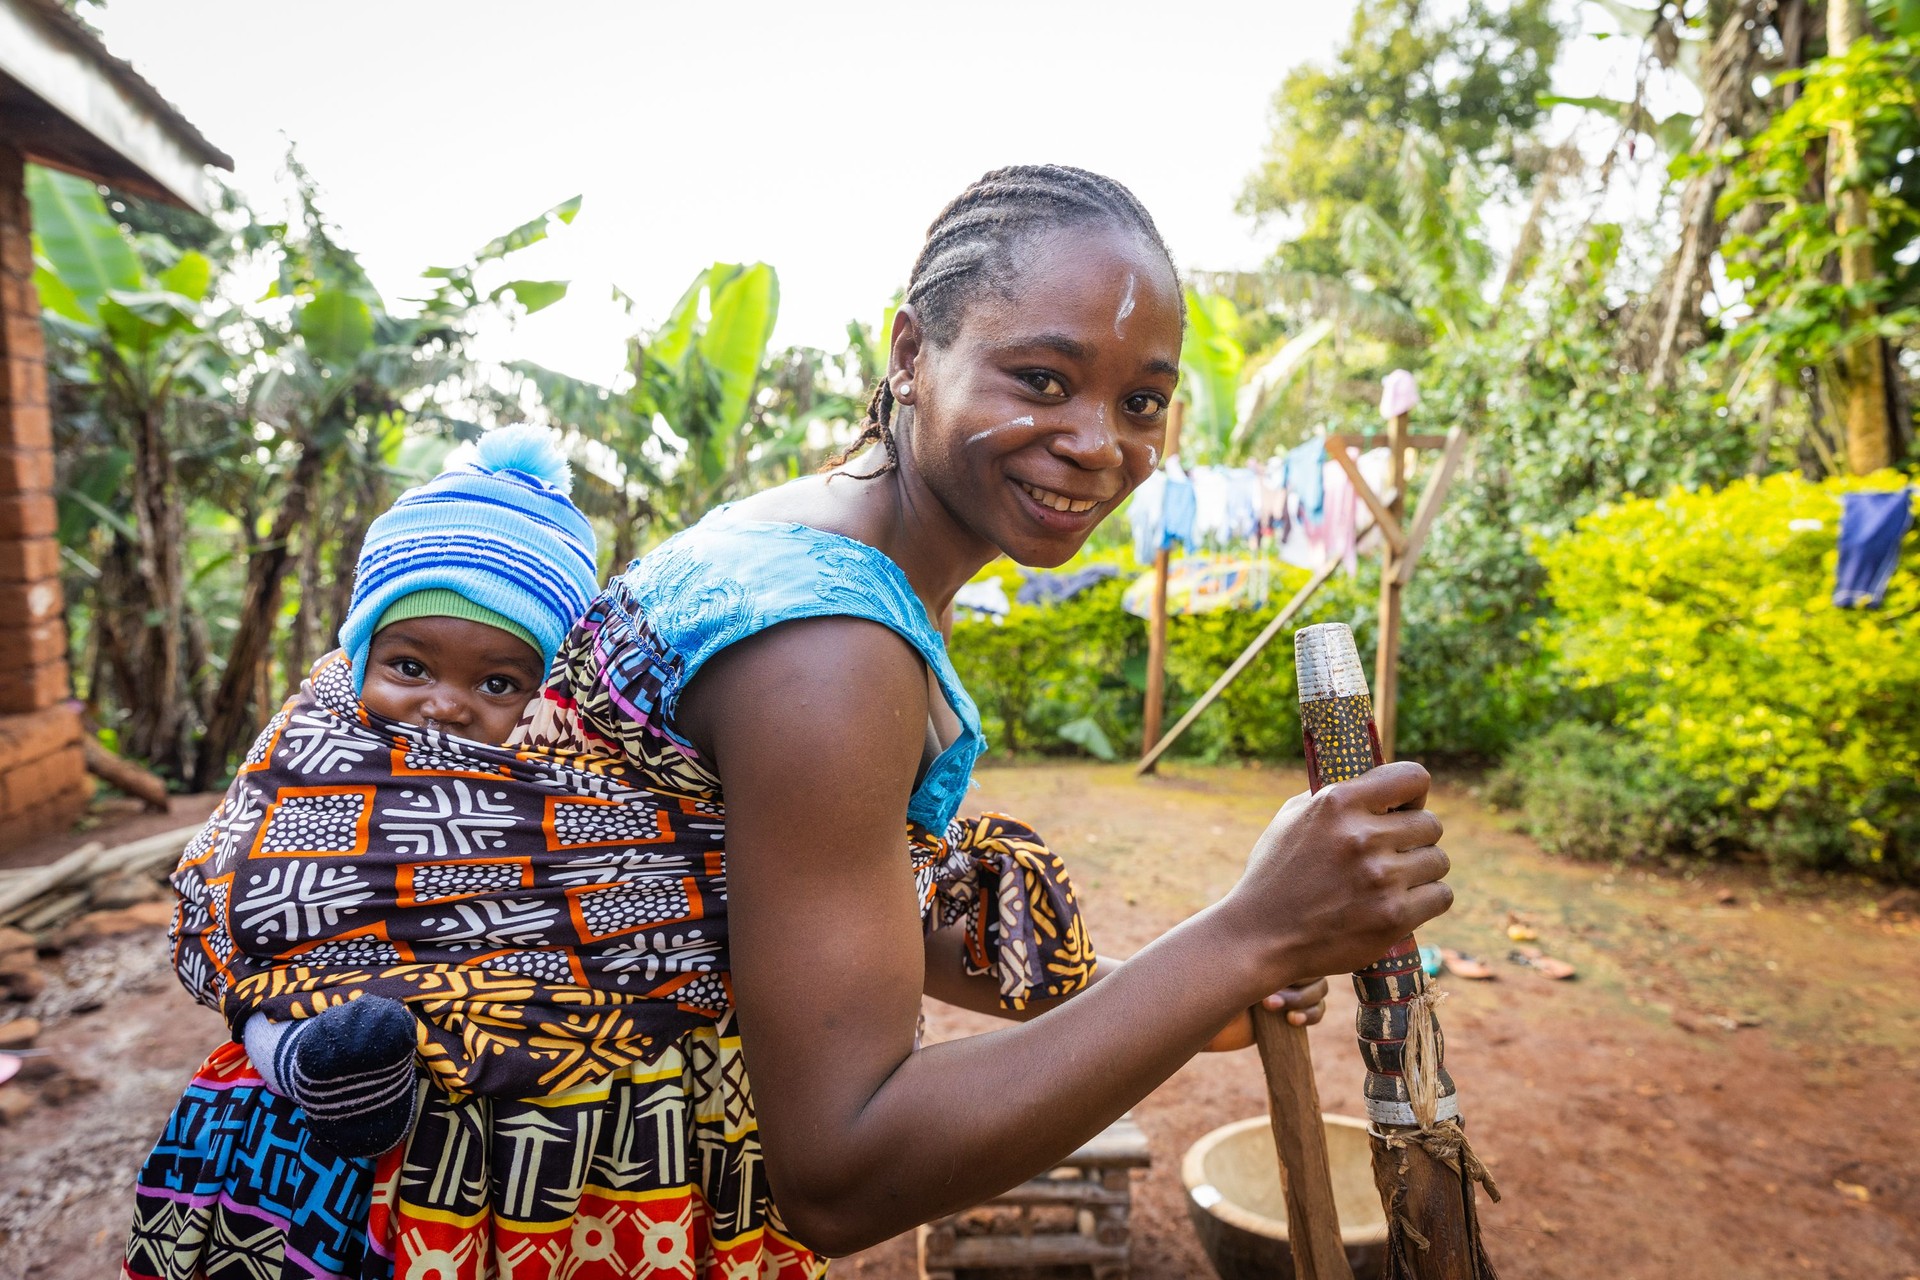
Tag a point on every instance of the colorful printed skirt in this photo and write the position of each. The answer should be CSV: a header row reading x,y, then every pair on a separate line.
x,y
655,1172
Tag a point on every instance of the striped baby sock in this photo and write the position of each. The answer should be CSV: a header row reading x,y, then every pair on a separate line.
x,y
350,1068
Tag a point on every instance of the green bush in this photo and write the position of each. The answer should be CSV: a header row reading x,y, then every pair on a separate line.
x,y
1706,623
1047,669
1586,792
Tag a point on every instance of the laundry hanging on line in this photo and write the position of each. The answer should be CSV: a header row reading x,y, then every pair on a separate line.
x,y
1262,505
1204,584
1042,587
983,599
1872,527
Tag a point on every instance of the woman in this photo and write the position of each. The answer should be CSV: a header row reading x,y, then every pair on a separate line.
x,y
773,678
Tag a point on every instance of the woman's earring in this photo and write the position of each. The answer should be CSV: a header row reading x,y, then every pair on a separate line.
x,y
906,389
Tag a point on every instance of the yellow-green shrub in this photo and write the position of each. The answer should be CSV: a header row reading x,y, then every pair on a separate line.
x,y
1707,620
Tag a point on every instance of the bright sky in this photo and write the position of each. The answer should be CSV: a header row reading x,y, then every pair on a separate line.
x,y
821,138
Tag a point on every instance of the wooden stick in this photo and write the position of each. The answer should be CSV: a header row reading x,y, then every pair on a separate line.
x,y
1247,655
1383,516
1293,1108
1386,653
1430,499
1232,673
1157,620
40,880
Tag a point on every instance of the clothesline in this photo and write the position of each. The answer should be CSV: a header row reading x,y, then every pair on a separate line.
x,y
1300,505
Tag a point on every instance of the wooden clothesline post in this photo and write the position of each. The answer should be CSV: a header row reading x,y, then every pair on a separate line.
x,y
1157,617
1402,551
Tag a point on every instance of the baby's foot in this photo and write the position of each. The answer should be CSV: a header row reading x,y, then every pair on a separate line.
x,y
350,1068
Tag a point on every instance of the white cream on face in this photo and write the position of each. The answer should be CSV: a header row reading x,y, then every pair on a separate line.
x,y
1024,420
1126,306
1153,456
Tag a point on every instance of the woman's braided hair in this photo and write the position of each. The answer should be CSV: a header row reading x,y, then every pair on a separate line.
x,y
969,248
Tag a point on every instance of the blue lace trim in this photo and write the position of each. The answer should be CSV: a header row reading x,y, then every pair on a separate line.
x,y
726,579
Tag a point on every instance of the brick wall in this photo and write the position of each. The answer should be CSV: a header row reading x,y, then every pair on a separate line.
x,y
43,780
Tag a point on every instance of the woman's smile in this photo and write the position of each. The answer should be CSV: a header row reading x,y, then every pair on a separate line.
x,y
1057,501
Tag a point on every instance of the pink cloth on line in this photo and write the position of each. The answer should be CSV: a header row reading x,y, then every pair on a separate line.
x,y
1398,394
1336,532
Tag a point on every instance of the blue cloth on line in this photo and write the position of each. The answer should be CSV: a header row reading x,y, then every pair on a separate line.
x,y
1306,468
1051,588
1143,517
1178,507
1872,526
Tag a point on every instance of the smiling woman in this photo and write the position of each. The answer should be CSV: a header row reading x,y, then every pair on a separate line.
x,y
1026,396
735,803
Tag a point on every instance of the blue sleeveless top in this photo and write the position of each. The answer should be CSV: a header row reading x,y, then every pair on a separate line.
x,y
728,578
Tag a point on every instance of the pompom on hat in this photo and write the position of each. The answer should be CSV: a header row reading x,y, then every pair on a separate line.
x,y
499,532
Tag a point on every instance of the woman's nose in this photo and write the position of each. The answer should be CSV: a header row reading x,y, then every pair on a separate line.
x,y
1090,442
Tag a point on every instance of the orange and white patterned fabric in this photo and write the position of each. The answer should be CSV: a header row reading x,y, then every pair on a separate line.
x,y
554,913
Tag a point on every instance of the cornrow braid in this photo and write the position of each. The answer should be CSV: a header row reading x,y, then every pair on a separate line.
x,y
969,247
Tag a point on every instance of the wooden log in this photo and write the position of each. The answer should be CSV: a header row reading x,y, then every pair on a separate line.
x,y
50,909
18,895
147,853
1293,1107
128,777
40,880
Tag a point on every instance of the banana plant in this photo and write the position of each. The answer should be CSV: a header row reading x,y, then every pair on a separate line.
x,y
141,338
677,434
289,412
1237,397
338,385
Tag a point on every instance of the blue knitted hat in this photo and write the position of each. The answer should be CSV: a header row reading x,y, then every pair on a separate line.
x,y
499,531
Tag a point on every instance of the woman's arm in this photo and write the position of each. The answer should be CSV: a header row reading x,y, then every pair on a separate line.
x,y
816,729
949,982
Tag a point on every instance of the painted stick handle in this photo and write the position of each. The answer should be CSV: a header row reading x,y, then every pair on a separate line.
x,y
1336,720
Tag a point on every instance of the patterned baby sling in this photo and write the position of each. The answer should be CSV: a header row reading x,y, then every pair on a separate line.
x,y
551,912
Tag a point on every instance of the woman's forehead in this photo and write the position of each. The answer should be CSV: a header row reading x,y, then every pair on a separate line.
x,y
1094,284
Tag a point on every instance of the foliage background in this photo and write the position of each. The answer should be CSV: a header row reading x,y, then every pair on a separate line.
x,y
1607,604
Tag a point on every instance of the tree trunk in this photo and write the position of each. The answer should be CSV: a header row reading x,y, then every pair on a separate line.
x,y
373,499
155,715
1671,325
305,630
1861,367
623,522
230,716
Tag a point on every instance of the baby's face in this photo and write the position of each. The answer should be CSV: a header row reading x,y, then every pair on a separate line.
x,y
462,677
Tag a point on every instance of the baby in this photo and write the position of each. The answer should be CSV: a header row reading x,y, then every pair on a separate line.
x,y
463,592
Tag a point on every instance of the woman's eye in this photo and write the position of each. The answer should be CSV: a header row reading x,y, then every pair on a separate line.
x,y
1146,406
1044,383
499,686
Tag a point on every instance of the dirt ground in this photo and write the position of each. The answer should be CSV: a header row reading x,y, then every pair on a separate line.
x,y
1727,1090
